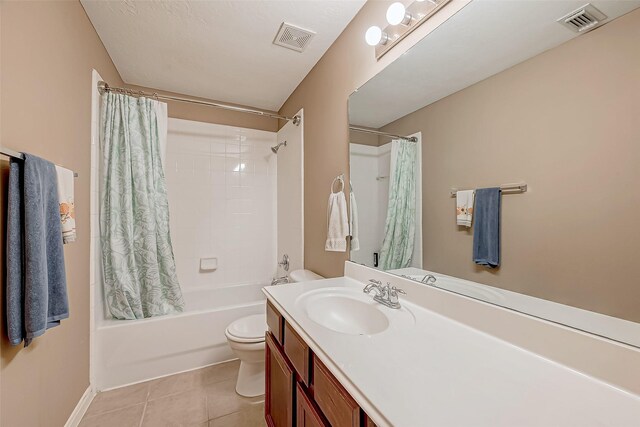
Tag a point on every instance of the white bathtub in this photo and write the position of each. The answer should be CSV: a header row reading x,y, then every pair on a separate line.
x,y
130,351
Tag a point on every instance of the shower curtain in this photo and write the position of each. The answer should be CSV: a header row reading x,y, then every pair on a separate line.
x,y
399,228
138,265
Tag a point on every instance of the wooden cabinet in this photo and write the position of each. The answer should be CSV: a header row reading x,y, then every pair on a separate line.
x,y
280,383
275,323
334,401
298,353
308,414
300,390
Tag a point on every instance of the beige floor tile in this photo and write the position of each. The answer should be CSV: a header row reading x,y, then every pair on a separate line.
x,y
253,417
180,383
127,417
182,409
222,399
220,372
118,399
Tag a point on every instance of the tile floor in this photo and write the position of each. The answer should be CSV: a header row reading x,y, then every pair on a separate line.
x,y
202,398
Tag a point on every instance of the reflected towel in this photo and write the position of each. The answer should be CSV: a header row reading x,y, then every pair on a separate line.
x,y
67,205
486,230
337,223
353,222
36,280
464,207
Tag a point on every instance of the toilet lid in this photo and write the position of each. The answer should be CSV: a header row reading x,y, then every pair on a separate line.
x,y
249,328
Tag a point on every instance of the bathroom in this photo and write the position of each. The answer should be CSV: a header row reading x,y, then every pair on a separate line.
x,y
366,212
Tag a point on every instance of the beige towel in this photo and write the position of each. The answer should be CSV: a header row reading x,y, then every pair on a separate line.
x,y
67,205
464,207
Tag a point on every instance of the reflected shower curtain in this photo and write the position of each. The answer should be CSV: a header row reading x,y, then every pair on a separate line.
x,y
139,269
400,225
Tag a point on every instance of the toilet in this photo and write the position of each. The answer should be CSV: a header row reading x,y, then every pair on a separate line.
x,y
246,338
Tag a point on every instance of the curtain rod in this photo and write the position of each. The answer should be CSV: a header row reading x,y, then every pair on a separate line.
x,y
104,87
390,135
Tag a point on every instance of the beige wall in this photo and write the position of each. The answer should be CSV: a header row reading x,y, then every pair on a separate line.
x,y
323,94
363,138
47,52
201,113
566,122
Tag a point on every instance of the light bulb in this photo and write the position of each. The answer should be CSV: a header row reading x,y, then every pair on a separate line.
x,y
373,36
397,14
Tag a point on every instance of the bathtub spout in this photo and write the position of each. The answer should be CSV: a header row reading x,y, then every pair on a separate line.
x,y
280,280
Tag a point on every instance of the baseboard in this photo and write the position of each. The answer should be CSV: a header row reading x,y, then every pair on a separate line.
x,y
81,408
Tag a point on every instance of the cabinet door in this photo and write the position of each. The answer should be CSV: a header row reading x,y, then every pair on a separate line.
x,y
280,383
308,414
334,401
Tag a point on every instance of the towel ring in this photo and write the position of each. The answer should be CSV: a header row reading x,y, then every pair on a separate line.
x,y
340,180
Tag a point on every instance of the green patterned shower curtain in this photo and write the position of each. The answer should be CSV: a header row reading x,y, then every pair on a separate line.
x,y
139,269
400,225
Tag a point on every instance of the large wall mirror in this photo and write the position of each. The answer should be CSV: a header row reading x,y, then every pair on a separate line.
x,y
503,96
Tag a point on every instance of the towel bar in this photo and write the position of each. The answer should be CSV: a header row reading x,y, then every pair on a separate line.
x,y
16,155
510,188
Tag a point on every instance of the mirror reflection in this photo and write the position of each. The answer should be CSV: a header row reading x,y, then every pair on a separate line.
x,y
498,159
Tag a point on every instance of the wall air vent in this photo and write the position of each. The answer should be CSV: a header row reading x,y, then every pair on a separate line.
x,y
583,19
293,37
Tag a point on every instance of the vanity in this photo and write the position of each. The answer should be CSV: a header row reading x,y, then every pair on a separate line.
x,y
300,389
336,357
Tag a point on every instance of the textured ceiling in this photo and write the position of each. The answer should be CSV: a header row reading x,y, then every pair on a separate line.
x,y
217,49
482,39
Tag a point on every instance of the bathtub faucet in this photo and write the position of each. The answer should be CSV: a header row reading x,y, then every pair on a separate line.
x,y
280,280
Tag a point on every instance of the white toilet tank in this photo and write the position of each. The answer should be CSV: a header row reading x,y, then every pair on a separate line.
x,y
304,276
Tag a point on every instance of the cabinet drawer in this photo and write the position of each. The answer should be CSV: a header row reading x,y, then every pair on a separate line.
x,y
308,414
298,352
275,322
336,404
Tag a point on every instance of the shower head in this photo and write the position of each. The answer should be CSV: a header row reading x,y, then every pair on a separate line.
x,y
277,147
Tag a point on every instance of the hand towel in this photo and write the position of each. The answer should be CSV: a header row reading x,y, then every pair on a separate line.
x,y
337,223
486,230
36,280
464,207
67,205
353,222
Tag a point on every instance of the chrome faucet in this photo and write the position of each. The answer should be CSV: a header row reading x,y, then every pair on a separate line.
x,y
386,295
280,280
373,284
429,279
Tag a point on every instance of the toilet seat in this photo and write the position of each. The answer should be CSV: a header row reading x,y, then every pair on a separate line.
x,y
249,329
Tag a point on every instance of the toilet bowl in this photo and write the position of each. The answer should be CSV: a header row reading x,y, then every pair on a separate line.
x,y
246,338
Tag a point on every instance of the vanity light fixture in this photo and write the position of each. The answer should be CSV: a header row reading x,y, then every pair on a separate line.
x,y
397,14
375,36
402,22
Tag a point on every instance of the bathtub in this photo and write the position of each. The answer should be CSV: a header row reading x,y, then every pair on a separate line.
x,y
130,351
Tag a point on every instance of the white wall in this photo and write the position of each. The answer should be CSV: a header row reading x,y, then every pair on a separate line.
x,y
370,169
290,204
365,161
221,183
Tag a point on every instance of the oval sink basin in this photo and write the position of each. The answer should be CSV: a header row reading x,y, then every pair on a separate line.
x,y
347,311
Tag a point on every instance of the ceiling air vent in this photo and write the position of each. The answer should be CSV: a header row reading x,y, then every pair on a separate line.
x,y
583,19
293,37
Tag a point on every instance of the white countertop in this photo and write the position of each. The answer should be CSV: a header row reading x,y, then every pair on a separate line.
x,y
439,372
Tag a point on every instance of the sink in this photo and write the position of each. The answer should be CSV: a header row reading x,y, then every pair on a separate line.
x,y
345,310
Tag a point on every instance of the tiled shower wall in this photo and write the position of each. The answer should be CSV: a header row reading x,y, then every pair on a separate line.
x,y
221,182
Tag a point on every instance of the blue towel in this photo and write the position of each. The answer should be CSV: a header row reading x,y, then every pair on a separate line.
x,y
486,232
36,279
